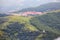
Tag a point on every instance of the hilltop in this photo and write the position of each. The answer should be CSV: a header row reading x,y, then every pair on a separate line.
x,y
46,27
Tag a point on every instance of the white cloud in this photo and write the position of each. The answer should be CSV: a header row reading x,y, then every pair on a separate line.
x,y
56,0
38,0
19,1
11,2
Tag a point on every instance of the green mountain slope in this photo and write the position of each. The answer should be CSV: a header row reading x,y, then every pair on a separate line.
x,y
49,22
12,19
16,26
43,27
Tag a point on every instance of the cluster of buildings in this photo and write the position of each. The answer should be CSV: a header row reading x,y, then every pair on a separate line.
x,y
28,13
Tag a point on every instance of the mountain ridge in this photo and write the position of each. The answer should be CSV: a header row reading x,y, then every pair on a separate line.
x,y
42,8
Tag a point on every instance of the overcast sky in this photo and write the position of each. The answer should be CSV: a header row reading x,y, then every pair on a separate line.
x,y
19,4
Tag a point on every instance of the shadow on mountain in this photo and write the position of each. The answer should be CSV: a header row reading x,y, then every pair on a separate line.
x,y
16,31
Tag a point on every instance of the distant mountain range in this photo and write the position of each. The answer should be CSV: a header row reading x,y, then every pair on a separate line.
x,y
42,8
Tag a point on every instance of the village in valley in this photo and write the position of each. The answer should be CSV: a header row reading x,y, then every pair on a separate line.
x,y
28,13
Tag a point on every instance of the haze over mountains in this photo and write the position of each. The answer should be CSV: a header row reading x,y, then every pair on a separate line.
x,y
8,5
15,26
43,8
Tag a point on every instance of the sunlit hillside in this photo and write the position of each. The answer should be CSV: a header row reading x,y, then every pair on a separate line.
x,y
42,27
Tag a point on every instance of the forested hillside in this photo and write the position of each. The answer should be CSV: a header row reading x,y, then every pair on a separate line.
x,y
42,27
49,22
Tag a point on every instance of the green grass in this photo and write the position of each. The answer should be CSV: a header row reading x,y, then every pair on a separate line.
x,y
19,19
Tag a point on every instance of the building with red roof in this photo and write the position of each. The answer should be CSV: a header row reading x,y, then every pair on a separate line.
x,y
31,13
